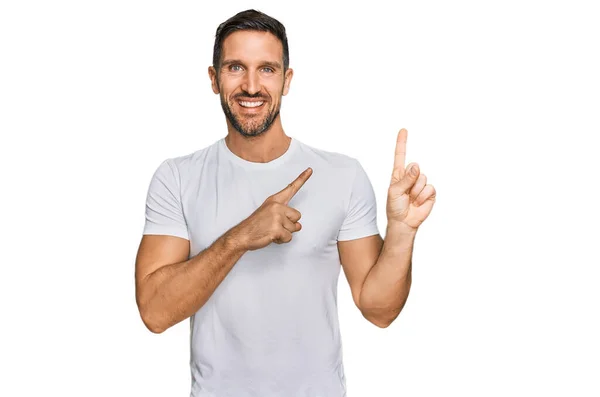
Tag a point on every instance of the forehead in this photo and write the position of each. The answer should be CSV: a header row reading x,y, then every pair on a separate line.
x,y
249,45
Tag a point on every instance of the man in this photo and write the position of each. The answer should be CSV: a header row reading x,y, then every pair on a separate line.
x,y
224,245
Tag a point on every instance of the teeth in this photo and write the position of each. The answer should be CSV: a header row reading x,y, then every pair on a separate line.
x,y
251,104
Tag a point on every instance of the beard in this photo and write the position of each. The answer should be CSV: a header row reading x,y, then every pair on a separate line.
x,y
254,126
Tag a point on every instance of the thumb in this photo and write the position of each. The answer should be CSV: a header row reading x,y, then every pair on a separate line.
x,y
410,177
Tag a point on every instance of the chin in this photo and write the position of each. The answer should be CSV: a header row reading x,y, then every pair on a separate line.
x,y
251,129
252,133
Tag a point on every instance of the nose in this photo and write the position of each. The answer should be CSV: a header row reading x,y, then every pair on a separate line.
x,y
251,83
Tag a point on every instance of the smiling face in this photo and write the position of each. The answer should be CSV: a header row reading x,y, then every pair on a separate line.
x,y
250,81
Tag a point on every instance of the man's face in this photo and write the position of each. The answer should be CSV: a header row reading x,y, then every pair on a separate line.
x,y
251,80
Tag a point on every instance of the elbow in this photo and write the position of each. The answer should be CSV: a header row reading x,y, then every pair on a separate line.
x,y
148,315
382,318
379,321
380,324
150,321
154,328
157,330
379,314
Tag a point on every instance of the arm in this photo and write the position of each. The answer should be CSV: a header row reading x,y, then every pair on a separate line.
x,y
379,273
387,284
170,288
381,279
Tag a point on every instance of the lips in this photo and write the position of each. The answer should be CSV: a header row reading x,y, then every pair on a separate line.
x,y
251,104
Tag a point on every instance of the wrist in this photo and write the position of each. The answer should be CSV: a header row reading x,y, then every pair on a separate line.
x,y
401,227
234,240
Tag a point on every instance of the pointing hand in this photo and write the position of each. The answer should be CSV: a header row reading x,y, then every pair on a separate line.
x,y
410,199
273,221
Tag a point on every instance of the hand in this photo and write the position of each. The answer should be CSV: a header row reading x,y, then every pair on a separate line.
x,y
410,199
273,221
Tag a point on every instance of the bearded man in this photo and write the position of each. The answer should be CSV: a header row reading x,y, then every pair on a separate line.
x,y
246,237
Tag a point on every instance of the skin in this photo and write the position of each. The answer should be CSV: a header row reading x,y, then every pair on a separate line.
x,y
170,287
252,69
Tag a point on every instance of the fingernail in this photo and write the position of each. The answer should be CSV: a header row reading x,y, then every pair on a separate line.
x,y
413,170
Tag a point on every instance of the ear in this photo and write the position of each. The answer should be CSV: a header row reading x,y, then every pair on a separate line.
x,y
288,79
212,73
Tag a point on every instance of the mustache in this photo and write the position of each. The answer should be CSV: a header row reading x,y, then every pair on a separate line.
x,y
244,94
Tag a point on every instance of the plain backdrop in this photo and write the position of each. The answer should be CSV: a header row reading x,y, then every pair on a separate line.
x,y
501,102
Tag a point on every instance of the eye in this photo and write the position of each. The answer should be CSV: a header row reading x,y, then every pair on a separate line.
x,y
268,70
235,68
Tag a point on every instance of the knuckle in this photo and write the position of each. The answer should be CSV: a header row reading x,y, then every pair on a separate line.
x,y
272,208
275,237
293,214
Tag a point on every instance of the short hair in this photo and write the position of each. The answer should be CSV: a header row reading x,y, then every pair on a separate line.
x,y
250,20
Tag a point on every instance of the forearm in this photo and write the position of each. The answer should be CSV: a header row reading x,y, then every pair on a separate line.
x,y
387,285
179,290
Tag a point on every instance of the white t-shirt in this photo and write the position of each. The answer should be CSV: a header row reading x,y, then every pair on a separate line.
x,y
271,328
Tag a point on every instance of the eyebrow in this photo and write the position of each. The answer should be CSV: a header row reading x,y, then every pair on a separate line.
x,y
275,65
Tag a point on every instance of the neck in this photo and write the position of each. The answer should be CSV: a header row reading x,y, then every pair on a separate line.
x,y
263,148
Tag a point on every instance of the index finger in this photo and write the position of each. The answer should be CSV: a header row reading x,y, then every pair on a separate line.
x,y
290,190
400,155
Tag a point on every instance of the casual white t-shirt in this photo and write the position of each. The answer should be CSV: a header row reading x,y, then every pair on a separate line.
x,y
271,328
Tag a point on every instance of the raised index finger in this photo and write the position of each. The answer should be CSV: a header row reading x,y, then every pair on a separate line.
x,y
400,155
285,195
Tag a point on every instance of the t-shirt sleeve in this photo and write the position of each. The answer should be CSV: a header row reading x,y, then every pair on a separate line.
x,y
164,212
361,216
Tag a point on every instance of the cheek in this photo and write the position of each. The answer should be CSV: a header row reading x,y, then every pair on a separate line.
x,y
275,91
228,86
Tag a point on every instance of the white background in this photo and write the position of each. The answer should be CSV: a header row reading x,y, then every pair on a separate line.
x,y
501,103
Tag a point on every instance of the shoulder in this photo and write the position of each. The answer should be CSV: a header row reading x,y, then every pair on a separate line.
x,y
187,165
181,170
191,160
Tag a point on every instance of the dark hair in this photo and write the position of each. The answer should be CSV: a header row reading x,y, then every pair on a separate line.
x,y
250,20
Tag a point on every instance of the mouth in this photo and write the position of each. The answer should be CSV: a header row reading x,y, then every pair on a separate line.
x,y
251,105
